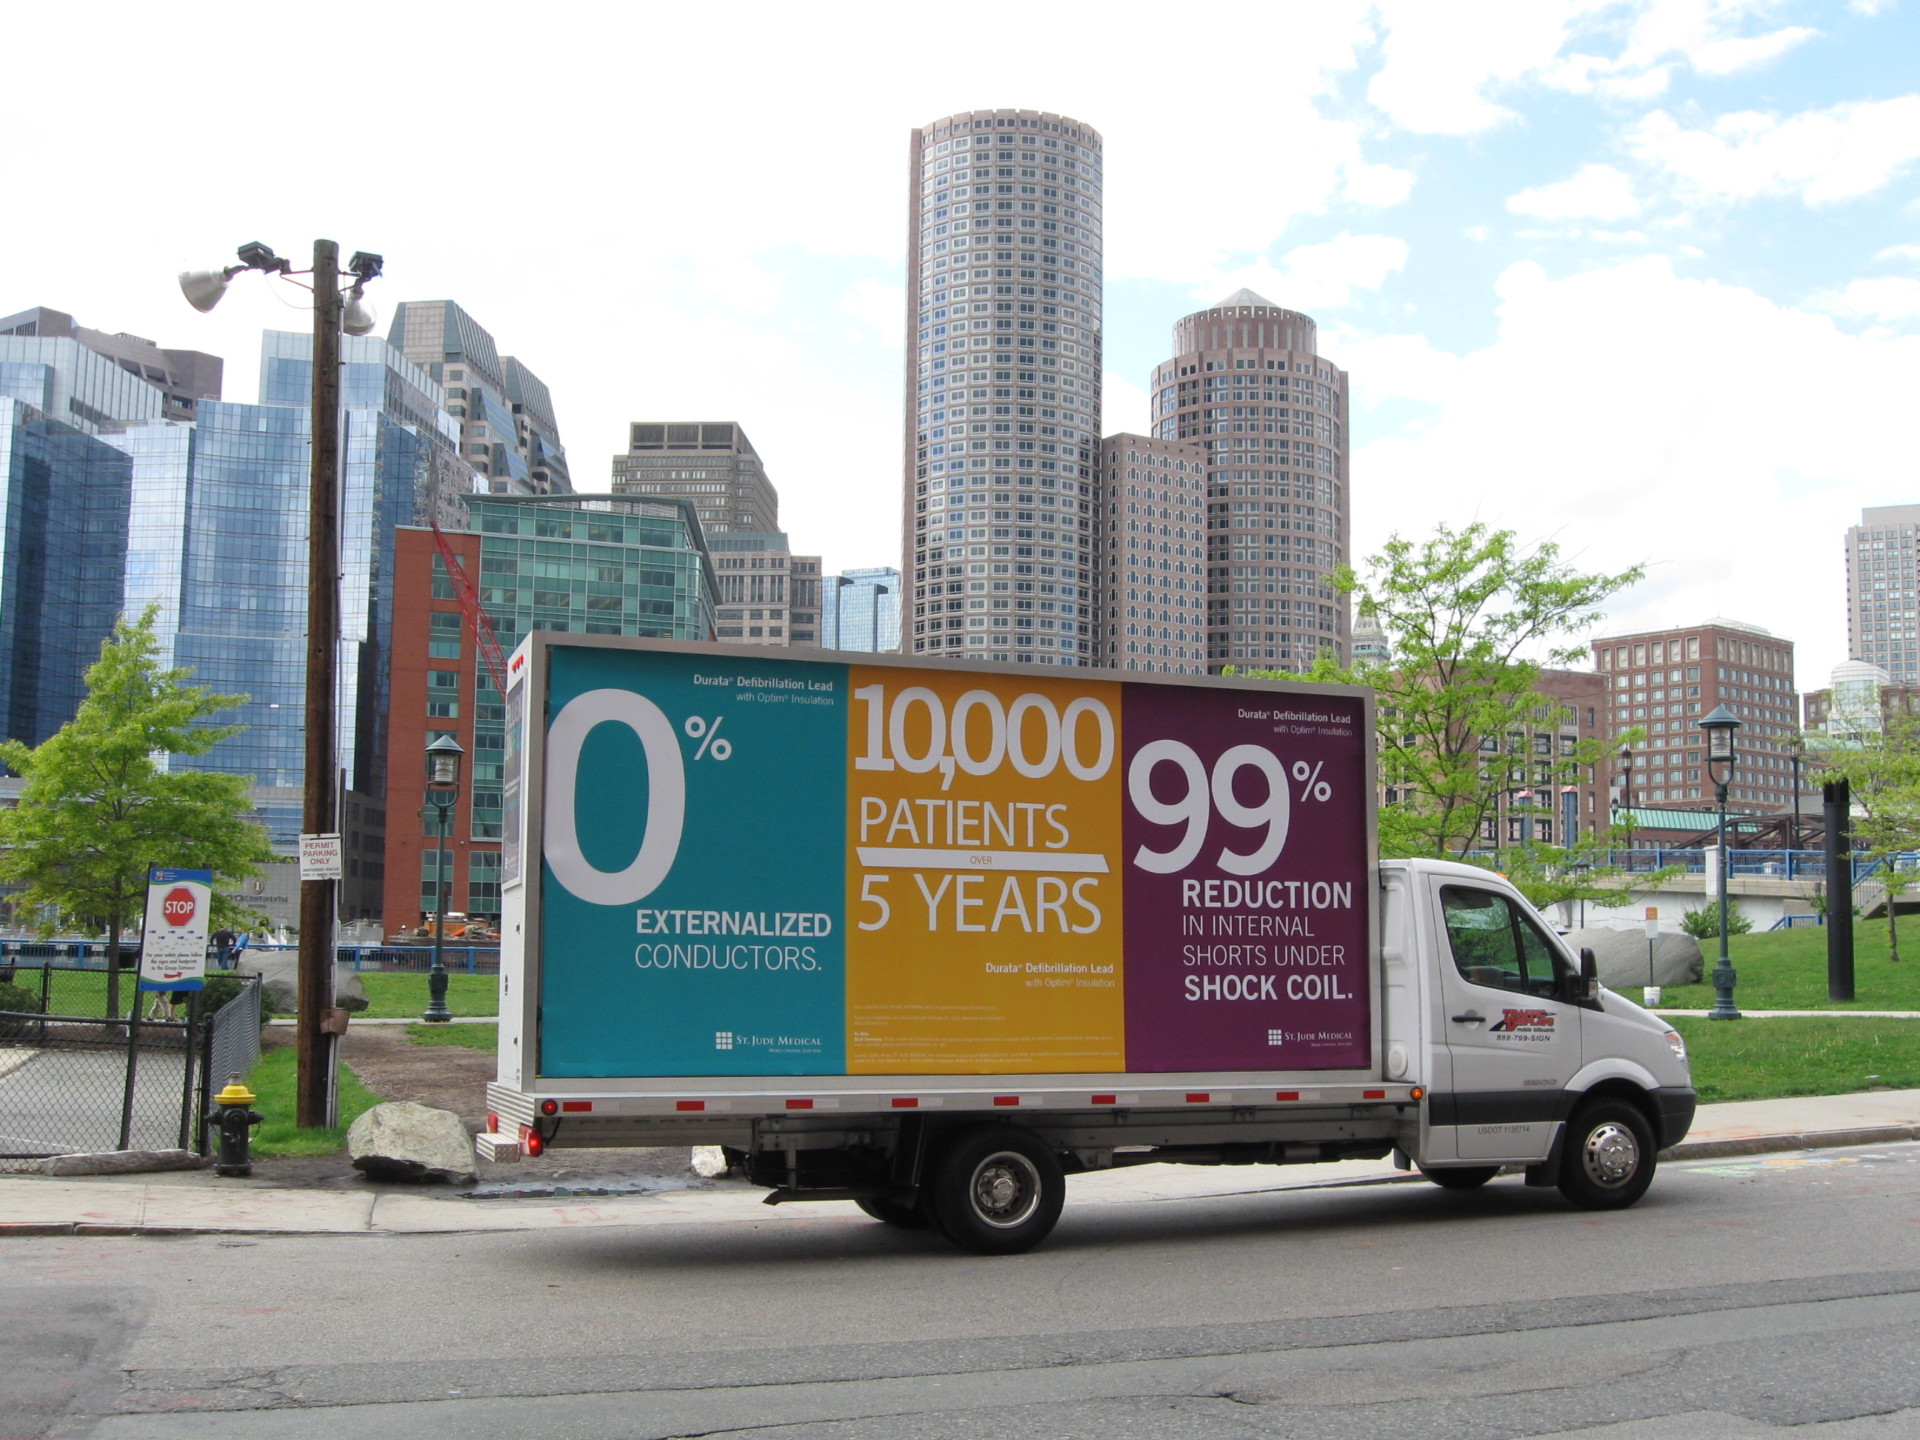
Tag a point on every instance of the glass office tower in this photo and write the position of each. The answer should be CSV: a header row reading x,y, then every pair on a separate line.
x,y
63,533
860,610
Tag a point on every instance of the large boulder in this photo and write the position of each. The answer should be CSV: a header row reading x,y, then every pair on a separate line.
x,y
1623,956
279,982
400,1140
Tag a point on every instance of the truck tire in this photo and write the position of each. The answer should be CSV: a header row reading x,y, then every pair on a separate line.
x,y
892,1212
1607,1156
1461,1177
996,1190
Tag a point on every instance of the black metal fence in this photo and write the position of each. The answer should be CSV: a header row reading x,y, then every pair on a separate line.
x,y
83,1074
92,955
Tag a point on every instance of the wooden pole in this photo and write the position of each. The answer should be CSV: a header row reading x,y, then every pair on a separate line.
x,y
323,631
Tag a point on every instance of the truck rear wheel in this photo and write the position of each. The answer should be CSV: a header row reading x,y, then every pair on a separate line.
x,y
997,1190
1461,1177
1607,1156
892,1212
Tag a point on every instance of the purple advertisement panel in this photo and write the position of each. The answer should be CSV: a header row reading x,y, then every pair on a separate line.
x,y
1244,838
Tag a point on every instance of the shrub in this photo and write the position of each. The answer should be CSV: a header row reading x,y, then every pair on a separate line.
x,y
1704,923
18,998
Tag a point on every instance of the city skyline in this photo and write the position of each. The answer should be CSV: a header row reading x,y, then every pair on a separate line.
x,y
1601,282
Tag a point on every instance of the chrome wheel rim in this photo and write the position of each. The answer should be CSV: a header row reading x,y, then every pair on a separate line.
x,y
1005,1189
1611,1154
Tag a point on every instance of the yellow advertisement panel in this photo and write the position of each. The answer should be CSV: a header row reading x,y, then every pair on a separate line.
x,y
983,874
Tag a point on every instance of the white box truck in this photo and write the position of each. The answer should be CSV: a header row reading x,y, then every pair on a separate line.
x,y
931,938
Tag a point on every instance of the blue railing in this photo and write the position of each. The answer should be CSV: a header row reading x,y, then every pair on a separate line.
x,y
92,954
1778,864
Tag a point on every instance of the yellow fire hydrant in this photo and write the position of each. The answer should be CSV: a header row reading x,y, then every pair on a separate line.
x,y
235,1123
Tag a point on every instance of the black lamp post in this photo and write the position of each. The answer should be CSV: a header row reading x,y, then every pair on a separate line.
x,y
443,793
1720,726
1626,796
1796,755
333,314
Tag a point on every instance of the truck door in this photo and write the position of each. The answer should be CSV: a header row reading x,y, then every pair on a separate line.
x,y
1513,1041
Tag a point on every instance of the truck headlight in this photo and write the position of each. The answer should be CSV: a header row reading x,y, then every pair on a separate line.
x,y
1677,1045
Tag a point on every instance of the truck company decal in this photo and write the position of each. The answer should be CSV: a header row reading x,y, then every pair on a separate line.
x,y
847,869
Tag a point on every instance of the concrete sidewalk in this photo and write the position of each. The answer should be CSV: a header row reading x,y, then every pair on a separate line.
x,y
199,1202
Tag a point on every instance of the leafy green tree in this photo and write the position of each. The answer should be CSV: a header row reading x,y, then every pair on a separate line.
x,y
96,807
1881,765
1469,618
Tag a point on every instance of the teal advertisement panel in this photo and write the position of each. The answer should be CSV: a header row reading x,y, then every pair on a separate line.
x,y
694,907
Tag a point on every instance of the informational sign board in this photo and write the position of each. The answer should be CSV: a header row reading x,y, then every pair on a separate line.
x,y
320,857
173,941
757,866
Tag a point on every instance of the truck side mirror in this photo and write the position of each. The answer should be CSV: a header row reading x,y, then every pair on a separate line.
x,y
1587,987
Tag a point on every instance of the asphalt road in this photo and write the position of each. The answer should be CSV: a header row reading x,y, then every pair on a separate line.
x,y
1777,1296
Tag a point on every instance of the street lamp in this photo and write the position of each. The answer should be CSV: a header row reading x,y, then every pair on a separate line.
x,y
1626,796
1720,726
319,811
443,793
1796,755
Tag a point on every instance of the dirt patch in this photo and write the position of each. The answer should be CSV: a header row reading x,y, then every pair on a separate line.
x,y
450,1077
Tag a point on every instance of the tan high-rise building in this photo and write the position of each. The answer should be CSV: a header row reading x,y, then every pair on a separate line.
x,y
1883,590
1152,604
1247,382
711,463
1003,389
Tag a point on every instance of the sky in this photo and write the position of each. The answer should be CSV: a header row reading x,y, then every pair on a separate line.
x,y
1640,278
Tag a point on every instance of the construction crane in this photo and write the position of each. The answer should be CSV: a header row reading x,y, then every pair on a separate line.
x,y
469,598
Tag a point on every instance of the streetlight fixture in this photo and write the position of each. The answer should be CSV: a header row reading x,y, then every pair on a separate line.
x,y
1626,796
1720,726
319,808
443,793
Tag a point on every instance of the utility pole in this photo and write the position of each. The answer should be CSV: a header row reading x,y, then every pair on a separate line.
x,y
318,811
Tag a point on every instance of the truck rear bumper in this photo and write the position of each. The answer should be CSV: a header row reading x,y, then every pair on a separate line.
x,y
1676,1104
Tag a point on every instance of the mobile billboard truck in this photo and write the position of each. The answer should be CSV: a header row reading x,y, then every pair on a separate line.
x,y
929,939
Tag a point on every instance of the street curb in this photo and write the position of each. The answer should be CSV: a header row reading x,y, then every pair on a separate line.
x,y
1686,1150
1804,1140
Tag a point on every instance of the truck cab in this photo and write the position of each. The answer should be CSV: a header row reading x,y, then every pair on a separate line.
x,y
1521,1052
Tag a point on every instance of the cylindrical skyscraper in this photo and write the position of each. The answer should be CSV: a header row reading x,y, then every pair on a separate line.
x,y
1246,381
1003,389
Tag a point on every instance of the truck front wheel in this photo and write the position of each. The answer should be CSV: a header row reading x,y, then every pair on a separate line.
x,y
1607,1156
997,1190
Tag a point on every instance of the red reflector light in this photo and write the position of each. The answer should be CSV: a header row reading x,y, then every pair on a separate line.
x,y
572,1105
493,1122
1286,1094
905,1102
1106,1100
799,1104
689,1104
1006,1099
1199,1099
1373,1094
549,1107
531,1142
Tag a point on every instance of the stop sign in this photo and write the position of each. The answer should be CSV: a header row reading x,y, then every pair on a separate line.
x,y
178,907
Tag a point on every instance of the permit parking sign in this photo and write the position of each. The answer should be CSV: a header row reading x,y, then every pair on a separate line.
x,y
173,941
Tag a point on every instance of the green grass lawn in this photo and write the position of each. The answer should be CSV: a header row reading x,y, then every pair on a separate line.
x,y
1787,970
467,1037
1799,1055
274,1081
396,996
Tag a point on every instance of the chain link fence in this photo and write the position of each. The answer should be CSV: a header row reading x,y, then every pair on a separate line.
x,y
83,1072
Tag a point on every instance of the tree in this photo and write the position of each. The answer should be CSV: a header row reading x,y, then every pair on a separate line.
x,y
97,809
1880,762
1468,617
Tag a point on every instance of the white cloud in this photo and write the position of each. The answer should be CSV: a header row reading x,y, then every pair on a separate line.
x,y
1323,276
1125,407
1823,156
1444,67
1899,252
1596,192
879,305
1710,455
1886,299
